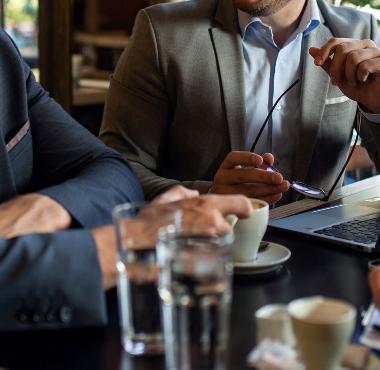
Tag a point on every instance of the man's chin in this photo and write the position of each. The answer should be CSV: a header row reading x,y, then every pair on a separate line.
x,y
260,8
254,7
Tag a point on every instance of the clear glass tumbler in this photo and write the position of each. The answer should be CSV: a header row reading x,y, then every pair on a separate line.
x,y
195,292
137,227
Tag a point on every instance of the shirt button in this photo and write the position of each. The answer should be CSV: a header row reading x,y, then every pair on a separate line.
x,y
279,107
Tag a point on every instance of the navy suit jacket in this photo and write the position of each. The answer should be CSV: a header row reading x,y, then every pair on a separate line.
x,y
53,280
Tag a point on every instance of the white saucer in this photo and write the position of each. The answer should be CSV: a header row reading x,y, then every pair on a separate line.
x,y
270,259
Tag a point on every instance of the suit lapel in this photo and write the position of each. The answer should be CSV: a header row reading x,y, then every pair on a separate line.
x,y
315,84
227,44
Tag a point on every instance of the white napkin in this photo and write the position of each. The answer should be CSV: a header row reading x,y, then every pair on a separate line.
x,y
273,355
371,333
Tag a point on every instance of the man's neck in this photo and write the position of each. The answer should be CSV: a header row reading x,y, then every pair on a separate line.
x,y
285,21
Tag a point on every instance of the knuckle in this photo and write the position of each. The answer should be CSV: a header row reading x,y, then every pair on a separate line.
x,y
341,48
231,155
363,68
177,189
330,43
353,57
370,43
208,201
203,201
213,219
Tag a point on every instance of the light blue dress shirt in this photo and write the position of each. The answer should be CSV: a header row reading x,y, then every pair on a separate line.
x,y
268,72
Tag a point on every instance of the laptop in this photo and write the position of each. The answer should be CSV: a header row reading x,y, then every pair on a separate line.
x,y
353,221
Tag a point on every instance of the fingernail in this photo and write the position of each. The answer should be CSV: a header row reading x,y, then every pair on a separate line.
x,y
318,61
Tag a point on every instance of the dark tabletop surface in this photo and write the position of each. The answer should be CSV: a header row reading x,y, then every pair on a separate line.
x,y
315,268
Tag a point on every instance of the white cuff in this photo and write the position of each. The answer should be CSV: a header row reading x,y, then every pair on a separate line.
x,y
373,117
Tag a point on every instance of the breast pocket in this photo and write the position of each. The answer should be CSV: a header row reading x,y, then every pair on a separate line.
x,y
19,141
20,154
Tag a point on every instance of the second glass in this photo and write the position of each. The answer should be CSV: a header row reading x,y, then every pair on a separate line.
x,y
195,292
137,227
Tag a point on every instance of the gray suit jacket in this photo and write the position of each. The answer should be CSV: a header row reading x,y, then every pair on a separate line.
x,y
176,106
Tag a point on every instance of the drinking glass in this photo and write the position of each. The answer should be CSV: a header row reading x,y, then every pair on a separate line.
x,y
195,292
137,226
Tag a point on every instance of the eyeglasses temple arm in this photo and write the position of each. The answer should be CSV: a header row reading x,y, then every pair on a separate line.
x,y
357,127
270,113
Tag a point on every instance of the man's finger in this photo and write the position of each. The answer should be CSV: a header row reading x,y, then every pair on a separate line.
x,y
318,61
254,190
271,199
367,68
248,175
209,222
341,53
234,159
178,192
322,54
268,158
238,205
261,191
333,57
360,63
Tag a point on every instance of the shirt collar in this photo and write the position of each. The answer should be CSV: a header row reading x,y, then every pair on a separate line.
x,y
309,21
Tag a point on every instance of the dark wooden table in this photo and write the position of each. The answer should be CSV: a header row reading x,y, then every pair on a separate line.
x,y
314,268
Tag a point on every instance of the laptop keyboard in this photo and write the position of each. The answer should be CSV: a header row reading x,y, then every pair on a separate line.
x,y
363,230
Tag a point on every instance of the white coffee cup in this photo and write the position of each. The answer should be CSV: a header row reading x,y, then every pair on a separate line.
x,y
273,322
323,328
249,232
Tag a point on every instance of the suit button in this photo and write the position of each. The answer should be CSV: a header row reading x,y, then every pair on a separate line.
x,y
50,316
65,314
22,317
36,317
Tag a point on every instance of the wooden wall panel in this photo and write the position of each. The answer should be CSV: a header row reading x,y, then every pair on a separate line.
x,y
55,32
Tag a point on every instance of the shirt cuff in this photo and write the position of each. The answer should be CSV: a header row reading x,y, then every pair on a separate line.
x,y
373,117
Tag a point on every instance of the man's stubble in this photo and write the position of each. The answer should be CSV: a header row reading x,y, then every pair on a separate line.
x,y
260,8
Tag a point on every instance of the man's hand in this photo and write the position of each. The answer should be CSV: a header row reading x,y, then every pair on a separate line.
x,y
32,213
105,240
353,66
201,215
176,193
374,282
244,173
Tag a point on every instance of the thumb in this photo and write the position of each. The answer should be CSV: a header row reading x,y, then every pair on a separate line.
x,y
318,61
314,52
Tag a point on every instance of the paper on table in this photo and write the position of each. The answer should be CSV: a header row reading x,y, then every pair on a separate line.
x,y
272,355
371,334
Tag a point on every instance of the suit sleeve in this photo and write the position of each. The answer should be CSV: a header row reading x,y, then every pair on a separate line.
x,y
370,131
138,111
50,281
74,167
